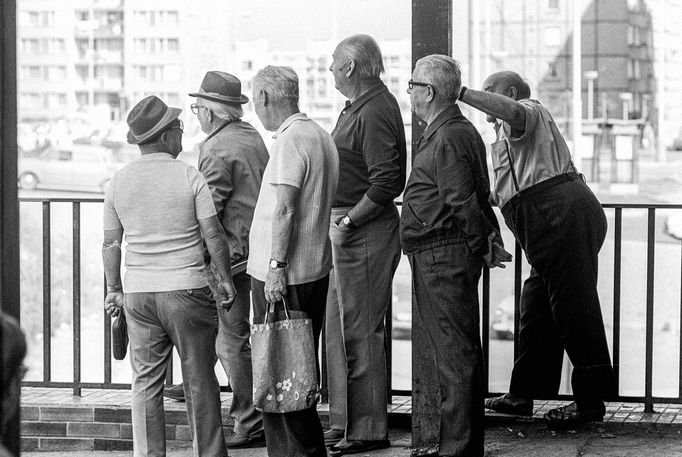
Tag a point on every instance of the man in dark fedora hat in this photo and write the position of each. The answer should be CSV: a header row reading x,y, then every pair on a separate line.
x,y
165,209
232,159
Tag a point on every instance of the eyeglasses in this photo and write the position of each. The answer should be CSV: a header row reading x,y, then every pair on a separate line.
x,y
411,84
180,126
195,108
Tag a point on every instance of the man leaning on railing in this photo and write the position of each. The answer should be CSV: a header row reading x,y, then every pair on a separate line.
x,y
164,208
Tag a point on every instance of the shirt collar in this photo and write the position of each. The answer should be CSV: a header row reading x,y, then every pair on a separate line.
x,y
451,112
288,121
156,155
376,89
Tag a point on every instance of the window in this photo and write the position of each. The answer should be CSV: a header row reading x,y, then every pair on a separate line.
x,y
30,72
173,44
247,65
552,36
552,71
553,4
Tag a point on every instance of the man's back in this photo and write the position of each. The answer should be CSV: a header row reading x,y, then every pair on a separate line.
x,y
158,201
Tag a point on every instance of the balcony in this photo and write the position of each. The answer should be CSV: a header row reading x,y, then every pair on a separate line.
x,y
82,395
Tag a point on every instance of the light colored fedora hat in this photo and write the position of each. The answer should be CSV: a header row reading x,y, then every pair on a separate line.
x,y
222,87
148,118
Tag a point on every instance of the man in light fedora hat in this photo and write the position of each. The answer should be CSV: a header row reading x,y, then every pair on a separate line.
x,y
165,209
232,159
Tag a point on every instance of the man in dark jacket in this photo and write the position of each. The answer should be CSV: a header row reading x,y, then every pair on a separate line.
x,y
232,159
449,231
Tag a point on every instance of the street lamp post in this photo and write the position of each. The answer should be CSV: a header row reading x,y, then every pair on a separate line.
x,y
590,76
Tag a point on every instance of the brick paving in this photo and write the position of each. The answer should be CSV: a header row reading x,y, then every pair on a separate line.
x,y
99,420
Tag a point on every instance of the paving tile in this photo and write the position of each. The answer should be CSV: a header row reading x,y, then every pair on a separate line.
x,y
101,444
32,428
176,417
127,431
182,433
66,444
120,415
94,429
29,444
30,413
48,413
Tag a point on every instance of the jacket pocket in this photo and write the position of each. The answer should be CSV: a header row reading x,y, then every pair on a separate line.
x,y
416,216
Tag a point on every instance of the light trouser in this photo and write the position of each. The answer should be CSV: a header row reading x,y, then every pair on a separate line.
x,y
445,296
561,228
365,260
157,321
234,351
297,434
337,373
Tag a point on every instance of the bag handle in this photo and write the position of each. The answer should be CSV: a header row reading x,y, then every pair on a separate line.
x,y
271,309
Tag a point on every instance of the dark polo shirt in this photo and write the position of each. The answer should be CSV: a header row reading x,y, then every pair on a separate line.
x,y
370,138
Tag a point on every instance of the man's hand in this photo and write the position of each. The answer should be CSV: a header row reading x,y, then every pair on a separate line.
x,y
496,253
275,285
341,226
113,303
227,294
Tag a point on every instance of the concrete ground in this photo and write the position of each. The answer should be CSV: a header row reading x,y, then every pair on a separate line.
x,y
510,440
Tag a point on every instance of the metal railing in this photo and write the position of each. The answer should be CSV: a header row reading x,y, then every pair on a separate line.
x,y
648,399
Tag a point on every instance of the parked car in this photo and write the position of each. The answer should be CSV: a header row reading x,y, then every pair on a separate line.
x,y
502,322
82,167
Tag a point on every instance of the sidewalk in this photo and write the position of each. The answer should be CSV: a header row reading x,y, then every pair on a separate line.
x,y
513,440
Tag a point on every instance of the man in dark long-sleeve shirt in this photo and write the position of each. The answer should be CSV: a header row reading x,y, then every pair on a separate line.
x,y
370,139
448,231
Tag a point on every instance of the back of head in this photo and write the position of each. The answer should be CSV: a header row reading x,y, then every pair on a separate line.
x,y
364,51
226,112
280,83
444,73
509,79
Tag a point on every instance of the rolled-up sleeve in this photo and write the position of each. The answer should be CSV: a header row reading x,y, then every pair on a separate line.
x,y
381,146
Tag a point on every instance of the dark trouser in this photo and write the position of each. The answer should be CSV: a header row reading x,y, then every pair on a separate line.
x,y
561,230
299,433
445,294
234,351
365,260
157,321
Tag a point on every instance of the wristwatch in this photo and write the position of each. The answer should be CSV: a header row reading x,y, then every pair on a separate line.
x,y
275,264
346,221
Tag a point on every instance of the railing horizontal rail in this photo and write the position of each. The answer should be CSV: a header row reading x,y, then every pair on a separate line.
x,y
648,265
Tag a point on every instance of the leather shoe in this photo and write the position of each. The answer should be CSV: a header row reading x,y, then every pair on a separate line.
x,y
571,415
508,404
344,446
238,441
333,436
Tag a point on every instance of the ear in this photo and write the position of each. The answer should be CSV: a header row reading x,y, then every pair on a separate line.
x,y
431,94
513,93
351,67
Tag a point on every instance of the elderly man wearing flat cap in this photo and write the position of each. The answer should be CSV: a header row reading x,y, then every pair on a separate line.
x,y
165,209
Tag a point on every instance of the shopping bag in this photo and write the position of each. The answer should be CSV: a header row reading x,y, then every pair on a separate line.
x,y
119,336
283,362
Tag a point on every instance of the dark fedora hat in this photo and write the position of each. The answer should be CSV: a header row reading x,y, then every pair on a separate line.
x,y
148,118
222,87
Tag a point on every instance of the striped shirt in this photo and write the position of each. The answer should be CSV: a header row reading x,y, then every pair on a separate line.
x,y
304,156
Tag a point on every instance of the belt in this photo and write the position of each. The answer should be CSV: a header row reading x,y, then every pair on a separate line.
x,y
544,185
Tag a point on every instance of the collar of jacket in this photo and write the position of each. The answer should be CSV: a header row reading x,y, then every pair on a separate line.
x,y
377,88
451,112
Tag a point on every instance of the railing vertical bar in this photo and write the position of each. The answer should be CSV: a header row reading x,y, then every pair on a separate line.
x,y
485,326
679,379
169,371
47,293
389,352
517,297
107,338
617,255
324,379
76,269
651,245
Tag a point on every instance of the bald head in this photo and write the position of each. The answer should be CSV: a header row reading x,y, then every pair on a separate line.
x,y
508,83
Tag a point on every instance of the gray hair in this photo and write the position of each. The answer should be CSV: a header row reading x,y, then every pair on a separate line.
x,y
444,73
364,51
227,112
280,83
